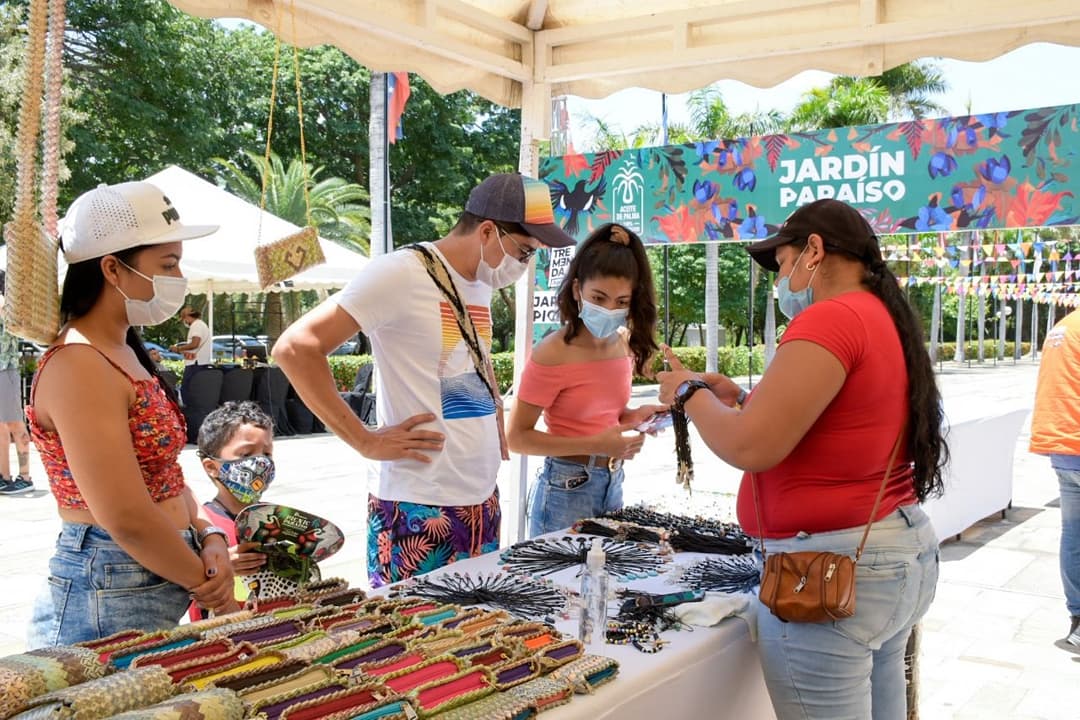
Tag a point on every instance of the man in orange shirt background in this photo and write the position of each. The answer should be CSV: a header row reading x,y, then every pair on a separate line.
x,y
1055,431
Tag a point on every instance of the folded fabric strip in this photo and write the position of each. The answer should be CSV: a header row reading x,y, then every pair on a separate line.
x,y
587,673
104,697
24,677
216,704
296,682
497,706
544,693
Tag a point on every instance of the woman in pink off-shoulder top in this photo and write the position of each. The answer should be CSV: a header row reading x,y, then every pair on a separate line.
x,y
579,378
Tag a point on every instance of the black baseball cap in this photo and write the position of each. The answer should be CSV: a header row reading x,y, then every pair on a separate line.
x,y
841,226
515,198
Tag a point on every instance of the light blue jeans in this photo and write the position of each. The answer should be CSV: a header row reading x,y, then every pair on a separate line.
x,y
1069,482
565,492
96,589
853,669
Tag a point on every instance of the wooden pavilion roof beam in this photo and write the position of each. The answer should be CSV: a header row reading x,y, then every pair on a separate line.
x,y
814,30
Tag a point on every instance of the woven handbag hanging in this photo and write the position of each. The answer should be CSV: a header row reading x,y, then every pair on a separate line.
x,y
288,256
32,297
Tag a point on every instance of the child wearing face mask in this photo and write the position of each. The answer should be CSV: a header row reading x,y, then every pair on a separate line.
x,y
579,378
236,446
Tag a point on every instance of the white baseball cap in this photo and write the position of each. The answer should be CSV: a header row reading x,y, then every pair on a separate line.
x,y
111,218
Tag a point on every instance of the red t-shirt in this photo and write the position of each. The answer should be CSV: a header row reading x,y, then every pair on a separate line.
x,y
829,481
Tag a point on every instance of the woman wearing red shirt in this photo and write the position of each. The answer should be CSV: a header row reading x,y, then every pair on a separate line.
x,y
850,376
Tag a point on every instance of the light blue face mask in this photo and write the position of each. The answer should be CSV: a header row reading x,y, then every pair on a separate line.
x,y
599,321
793,302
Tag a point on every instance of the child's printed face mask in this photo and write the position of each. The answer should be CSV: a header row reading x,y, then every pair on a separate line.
x,y
247,478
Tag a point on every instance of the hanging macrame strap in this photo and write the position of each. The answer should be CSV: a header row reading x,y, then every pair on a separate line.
x,y
30,115
300,112
438,273
54,75
32,310
873,511
266,169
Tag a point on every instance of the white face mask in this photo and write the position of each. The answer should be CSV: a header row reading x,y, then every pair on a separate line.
x,y
507,273
169,295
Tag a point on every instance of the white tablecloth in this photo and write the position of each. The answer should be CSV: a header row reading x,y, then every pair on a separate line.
x,y
709,672
978,482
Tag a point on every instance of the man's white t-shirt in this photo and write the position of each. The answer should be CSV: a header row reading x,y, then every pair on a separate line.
x,y
424,366
204,353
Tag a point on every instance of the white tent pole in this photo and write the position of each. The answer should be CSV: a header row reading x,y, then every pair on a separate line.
x,y
535,116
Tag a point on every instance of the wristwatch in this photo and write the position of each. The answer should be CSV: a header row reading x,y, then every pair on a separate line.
x,y
685,390
202,535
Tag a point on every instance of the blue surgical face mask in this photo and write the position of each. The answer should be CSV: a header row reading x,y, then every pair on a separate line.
x,y
794,302
599,321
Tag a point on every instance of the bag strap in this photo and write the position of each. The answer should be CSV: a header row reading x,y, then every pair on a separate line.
x,y
880,492
873,511
440,275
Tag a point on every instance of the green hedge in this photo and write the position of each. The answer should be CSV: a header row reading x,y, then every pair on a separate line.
x,y
730,361
946,351
177,366
344,368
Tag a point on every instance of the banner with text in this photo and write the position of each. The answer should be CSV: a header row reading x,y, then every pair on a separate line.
x,y
999,170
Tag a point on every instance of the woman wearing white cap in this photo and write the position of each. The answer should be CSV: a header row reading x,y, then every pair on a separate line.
x,y
132,550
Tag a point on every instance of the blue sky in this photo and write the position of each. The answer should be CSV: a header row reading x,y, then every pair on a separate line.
x,y
1036,75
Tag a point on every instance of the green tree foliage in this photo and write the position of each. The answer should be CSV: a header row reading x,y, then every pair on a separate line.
x,y
910,87
451,143
899,93
844,101
339,209
686,288
711,119
157,86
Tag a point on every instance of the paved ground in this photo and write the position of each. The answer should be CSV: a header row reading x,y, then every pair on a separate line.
x,y
987,649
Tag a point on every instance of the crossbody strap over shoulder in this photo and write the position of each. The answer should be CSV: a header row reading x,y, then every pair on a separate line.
x,y
440,275
873,511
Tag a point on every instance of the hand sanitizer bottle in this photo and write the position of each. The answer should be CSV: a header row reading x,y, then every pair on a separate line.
x,y
594,593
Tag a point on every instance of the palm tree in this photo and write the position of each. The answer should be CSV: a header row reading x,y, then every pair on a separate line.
x,y
339,210
844,101
910,86
606,137
902,92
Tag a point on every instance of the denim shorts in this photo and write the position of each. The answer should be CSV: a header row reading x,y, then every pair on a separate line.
x,y
95,589
565,492
840,670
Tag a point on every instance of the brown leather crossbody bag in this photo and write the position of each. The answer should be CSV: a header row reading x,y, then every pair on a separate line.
x,y
813,586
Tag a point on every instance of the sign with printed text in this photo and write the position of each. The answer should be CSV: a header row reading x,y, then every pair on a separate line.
x,y
551,267
998,170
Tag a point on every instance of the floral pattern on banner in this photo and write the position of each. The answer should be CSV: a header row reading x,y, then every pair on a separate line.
x,y
990,171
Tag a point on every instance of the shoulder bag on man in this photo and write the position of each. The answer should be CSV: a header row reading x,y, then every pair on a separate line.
x,y
438,273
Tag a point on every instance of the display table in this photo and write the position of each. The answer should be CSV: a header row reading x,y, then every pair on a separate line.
x,y
978,481
711,672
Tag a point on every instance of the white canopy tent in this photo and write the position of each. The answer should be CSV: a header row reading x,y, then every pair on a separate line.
x,y
519,53
225,260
